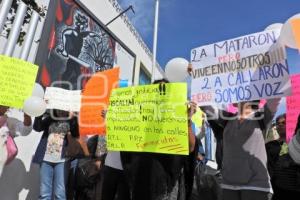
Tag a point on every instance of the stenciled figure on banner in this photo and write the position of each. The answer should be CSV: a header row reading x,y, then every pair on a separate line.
x,y
77,46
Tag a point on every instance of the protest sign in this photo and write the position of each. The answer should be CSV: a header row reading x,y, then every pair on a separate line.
x,y
17,78
151,118
240,69
293,107
58,98
95,99
296,31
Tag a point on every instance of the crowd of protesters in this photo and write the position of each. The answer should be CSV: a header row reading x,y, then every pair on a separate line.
x,y
254,159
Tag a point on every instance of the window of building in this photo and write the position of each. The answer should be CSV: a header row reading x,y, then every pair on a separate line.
x,y
144,77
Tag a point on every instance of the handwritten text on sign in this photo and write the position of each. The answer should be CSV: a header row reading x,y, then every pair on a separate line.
x,y
95,99
149,118
67,100
240,69
293,107
17,79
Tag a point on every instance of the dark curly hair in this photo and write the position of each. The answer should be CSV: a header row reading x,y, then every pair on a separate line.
x,y
81,20
160,81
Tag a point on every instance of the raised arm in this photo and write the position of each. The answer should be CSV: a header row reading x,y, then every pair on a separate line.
x,y
192,138
216,116
40,123
270,110
17,127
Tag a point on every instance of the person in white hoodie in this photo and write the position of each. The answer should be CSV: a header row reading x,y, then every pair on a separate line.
x,y
14,127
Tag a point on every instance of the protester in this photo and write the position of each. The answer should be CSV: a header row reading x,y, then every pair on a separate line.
x,y
88,173
115,184
15,128
277,147
218,133
283,170
50,153
156,176
244,170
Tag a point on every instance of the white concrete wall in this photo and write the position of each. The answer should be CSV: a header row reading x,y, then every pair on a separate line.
x,y
20,179
35,44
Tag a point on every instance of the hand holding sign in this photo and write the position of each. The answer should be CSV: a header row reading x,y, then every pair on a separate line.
x,y
192,107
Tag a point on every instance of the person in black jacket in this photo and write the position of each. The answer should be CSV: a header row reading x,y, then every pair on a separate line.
x,y
284,172
88,173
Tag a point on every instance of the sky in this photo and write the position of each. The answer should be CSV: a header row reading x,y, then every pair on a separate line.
x,y
186,24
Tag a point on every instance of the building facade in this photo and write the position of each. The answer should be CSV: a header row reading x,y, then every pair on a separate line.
x,y
73,40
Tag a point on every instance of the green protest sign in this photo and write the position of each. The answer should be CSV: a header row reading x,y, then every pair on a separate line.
x,y
150,118
17,79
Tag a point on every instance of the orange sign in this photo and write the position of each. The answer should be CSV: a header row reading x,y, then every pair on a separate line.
x,y
95,99
296,31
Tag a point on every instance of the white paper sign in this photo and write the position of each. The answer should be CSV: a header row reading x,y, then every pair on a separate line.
x,y
240,69
67,100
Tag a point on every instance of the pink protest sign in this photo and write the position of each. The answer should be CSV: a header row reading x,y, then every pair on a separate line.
x,y
292,107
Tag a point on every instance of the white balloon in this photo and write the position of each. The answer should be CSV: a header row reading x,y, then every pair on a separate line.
x,y
176,70
286,35
274,26
38,91
34,106
296,16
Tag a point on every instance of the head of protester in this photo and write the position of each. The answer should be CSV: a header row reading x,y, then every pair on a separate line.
x,y
281,126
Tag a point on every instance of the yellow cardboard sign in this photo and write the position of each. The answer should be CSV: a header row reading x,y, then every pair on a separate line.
x,y
150,118
17,78
197,118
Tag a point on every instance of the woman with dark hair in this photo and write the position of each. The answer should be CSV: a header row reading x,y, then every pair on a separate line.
x,y
50,153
